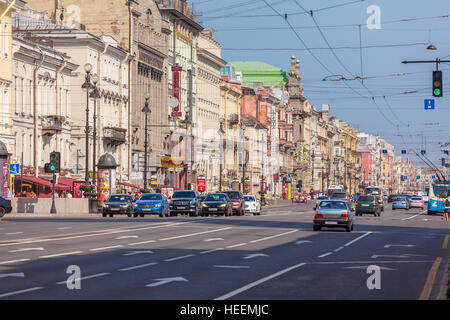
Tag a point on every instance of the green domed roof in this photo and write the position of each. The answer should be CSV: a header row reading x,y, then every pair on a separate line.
x,y
255,71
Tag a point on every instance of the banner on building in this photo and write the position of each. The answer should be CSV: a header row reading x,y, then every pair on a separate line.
x,y
201,184
172,162
176,87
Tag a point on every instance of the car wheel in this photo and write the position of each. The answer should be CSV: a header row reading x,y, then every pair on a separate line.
x,y
348,228
104,215
393,208
141,215
317,228
135,215
352,226
111,215
129,215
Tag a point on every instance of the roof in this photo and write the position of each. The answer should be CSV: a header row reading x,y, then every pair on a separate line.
x,y
256,71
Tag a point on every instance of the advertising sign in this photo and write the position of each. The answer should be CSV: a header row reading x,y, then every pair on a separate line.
x,y
77,192
201,184
176,87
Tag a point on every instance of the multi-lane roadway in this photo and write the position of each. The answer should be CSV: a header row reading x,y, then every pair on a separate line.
x,y
273,256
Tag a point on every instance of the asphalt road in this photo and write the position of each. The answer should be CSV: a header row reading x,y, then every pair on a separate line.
x,y
272,256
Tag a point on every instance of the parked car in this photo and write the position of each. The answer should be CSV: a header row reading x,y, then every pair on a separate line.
x,y
252,205
333,214
237,199
416,202
319,199
217,203
368,204
118,204
391,197
185,202
151,203
400,203
5,206
343,196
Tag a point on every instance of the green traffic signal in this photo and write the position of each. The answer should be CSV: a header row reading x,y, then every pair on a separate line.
x,y
52,168
437,92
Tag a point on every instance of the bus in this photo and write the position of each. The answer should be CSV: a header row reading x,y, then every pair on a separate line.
x,y
338,188
375,190
438,192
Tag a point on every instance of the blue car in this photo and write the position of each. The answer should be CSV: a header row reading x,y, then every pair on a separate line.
x,y
151,203
400,203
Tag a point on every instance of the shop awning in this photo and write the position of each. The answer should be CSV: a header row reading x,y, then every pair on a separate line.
x,y
126,184
42,182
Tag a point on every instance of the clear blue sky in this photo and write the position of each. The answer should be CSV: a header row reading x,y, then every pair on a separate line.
x,y
261,35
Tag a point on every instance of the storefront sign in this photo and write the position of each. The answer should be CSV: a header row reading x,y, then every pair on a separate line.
x,y
201,184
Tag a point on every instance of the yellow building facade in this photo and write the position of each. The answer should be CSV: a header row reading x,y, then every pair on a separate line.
x,y
352,158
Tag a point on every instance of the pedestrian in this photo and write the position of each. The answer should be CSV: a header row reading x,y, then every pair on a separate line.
x,y
101,201
447,206
69,195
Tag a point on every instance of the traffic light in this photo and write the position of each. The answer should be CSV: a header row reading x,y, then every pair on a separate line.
x,y
299,185
437,83
54,164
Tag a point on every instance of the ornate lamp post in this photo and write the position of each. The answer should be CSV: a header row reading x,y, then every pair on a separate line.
x,y
146,110
95,94
221,132
87,86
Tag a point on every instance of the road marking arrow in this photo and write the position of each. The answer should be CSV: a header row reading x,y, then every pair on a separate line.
x,y
17,275
400,245
26,249
303,241
213,239
254,255
132,253
126,237
164,281
365,267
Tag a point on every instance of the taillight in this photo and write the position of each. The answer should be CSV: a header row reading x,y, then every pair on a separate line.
x,y
347,200
356,203
344,215
318,215
374,204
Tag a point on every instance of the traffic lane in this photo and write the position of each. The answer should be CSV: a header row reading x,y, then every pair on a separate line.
x,y
342,273
99,265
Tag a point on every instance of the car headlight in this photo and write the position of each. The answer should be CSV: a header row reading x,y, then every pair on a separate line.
x,y
135,205
124,206
106,205
192,202
157,205
223,205
204,205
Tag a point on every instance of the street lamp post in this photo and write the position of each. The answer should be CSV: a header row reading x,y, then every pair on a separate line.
x,y
87,85
146,110
95,94
322,166
221,132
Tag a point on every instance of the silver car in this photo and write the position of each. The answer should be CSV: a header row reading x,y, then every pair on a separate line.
x,y
333,214
416,202
321,198
252,205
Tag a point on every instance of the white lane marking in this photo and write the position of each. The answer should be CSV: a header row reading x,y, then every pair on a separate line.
x,y
106,248
357,239
371,262
274,236
4,295
64,228
142,242
194,234
254,255
139,266
87,277
365,267
325,255
14,261
212,250
213,239
13,275
11,233
399,245
179,258
164,281
26,249
303,241
375,256
132,253
126,237
255,283
411,217
338,249
232,267
61,254
237,245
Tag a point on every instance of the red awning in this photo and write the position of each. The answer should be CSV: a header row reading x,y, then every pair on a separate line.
x,y
42,182
126,184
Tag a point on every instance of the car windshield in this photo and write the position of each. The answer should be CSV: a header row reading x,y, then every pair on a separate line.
x,y
233,195
332,205
416,198
119,198
183,194
216,197
322,198
400,199
366,198
250,199
151,197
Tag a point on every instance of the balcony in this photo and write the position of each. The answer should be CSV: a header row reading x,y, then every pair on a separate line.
x,y
114,136
52,124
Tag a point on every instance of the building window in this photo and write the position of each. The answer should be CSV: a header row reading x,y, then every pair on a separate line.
x,y
6,33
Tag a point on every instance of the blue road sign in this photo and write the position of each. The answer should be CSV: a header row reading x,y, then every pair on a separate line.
x,y
14,168
429,104
405,177
418,177
403,151
385,151
433,177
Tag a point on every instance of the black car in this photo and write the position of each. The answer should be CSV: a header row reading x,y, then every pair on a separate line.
x,y
5,206
391,197
118,204
218,204
237,200
185,202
